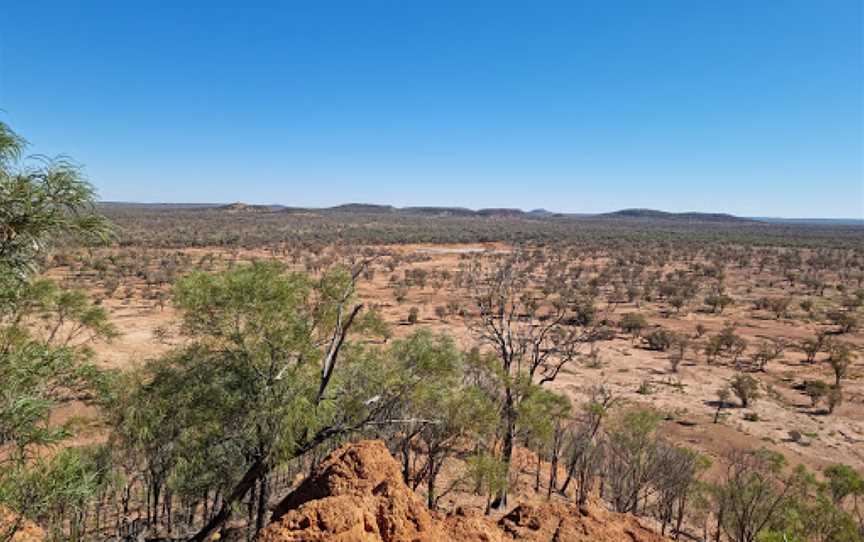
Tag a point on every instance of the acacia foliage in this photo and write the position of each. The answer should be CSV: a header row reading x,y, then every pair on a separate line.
x,y
256,383
44,332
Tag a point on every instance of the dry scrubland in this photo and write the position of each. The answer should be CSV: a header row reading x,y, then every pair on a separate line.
x,y
809,283
672,312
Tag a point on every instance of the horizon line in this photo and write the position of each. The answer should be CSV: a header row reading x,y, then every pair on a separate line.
x,y
543,209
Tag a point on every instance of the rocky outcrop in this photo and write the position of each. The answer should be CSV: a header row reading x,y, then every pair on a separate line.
x,y
357,495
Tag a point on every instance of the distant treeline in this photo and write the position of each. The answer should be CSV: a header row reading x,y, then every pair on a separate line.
x,y
240,225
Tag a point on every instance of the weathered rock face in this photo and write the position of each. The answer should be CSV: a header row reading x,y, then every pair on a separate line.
x,y
357,495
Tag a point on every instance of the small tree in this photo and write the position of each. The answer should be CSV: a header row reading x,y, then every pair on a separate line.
x,y
584,451
722,399
768,351
439,409
633,323
846,321
678,302
840,358
811,347
835,398
843,481
676,476
712,349
541,416
779,306
660,340
737,349
489,474
413,315
753,493
746,388
632,454
680,343
816,390
717,302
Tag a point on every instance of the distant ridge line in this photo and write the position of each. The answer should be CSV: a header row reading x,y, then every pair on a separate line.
x,y
432,211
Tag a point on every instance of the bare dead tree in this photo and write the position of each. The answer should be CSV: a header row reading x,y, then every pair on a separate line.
x,y
534,337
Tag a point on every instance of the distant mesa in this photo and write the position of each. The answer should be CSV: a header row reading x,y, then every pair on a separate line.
x,y
240,207
425,211
540,214
366,208
504,213
653,214
536,214
438,211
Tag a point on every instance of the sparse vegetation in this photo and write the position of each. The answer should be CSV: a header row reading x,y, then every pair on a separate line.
x,y
746,388
272,335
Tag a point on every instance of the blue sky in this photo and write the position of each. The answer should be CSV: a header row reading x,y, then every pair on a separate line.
x,y
749,107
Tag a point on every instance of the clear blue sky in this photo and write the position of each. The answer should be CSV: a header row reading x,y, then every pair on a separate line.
x,y
752,107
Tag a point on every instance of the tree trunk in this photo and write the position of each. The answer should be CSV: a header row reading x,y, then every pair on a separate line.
x,y
406,460
258,469
239,491
553,468
155,493
430,485
570,471
682,505
537,474
206,513
250,514
263,498
719,525
507,447
167,503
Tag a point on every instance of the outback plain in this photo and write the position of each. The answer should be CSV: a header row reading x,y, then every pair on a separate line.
x,y
736,334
